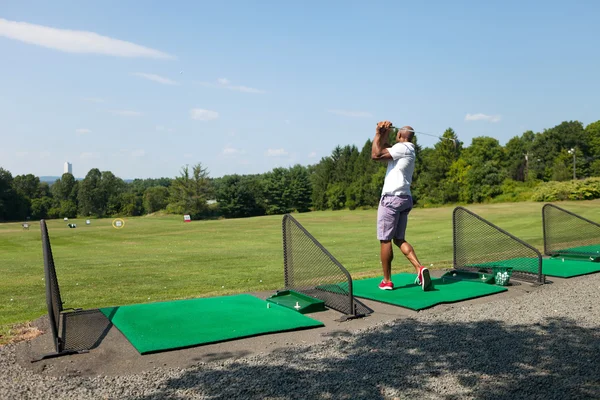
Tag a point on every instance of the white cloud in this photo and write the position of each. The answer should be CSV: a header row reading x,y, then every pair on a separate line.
x,y
71,41
230,151
138,153
276,152
94,99
89,155
203,115
156,78
355,114
82,131
224,83
127,113
312,154
482,117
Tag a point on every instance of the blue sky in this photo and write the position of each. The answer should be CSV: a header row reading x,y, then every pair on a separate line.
x,y
143,88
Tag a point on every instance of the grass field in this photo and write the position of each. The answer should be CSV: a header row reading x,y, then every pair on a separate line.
x,y
161,258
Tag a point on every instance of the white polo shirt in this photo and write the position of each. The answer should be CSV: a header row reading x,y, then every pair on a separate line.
x,y
400,169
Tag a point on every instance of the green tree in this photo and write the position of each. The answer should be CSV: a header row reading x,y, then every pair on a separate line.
x,y
112,189
362,192
11,207
484,182
68,209
435,165
189,192
336,196
156,199
277,190
40,207
593,137
300,188
484,175
131,204
240,196
91,198
65,188
548,145
320,179
27,186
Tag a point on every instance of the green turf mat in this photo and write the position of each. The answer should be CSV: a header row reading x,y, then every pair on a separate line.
x,y
407,294
592,250
555,266
176,324
568,268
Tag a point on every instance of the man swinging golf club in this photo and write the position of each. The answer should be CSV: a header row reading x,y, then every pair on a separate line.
x,y
396,200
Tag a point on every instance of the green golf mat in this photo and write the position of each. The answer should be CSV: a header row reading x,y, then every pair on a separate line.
x,y
555,266
176,324
407,294
592,250
568,268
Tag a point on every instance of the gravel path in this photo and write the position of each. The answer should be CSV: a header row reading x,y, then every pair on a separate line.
x,y
545,344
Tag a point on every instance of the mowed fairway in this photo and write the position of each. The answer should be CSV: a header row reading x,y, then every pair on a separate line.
x,y
162,258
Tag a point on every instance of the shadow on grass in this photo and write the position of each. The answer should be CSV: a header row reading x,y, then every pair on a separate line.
x,y
486,359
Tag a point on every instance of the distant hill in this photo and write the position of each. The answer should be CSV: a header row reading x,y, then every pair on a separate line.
x,y
51,179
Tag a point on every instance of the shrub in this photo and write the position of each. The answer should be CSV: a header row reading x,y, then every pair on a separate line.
x,y
586,189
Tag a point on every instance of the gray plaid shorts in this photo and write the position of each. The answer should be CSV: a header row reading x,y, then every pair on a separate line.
x,y
392,216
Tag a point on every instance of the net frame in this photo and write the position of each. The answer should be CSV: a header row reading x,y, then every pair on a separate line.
x,y
331,283
557,243
54,302
73,331
464,259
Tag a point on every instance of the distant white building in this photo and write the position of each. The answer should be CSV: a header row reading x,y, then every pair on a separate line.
x,y
68,168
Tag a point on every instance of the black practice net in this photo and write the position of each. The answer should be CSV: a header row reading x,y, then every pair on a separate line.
x,y
569,234
72,331
480,245
310,269
53,299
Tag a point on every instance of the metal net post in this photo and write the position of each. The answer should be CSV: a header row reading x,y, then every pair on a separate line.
x,y
53,299
569,234
480,245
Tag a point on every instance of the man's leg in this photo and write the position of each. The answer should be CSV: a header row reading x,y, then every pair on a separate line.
x,y
409,252
387,220
423,277
387,255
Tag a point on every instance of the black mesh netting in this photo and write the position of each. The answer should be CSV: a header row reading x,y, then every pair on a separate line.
x,y
480,245
310,269
75,330
566,233
84,330
53,300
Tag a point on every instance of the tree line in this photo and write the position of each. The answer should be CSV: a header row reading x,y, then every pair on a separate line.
x,y
448,172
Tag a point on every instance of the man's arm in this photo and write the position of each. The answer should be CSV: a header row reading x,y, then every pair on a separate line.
x,y
379,149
